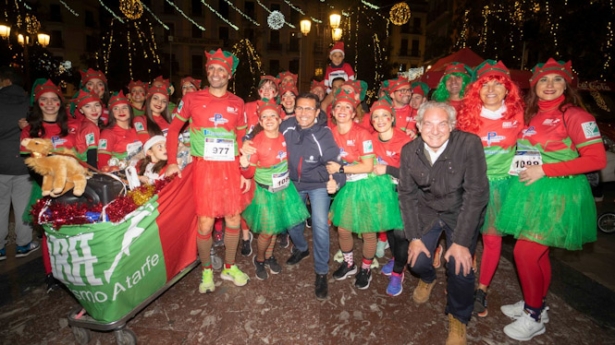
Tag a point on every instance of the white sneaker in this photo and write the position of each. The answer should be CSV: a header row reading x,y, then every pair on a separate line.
x,y
524,328
515,311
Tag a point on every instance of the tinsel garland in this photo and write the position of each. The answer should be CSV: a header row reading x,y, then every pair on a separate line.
x,y
58,215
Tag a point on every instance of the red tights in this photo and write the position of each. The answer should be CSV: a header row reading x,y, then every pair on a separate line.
x,y
534,269
45,255
491,257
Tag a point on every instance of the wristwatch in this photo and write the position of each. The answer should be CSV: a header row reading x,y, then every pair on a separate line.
x,y
341,171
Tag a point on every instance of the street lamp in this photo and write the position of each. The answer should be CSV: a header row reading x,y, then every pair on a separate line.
x,y
306,26
336,34
334,20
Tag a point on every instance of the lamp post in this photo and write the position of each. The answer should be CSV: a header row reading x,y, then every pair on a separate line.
x,y
32,28
306,26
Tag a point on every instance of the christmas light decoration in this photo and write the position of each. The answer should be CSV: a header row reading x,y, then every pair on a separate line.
x,y
370,5
219,15
69,9
184,15
269,11
132,9
275,20
240,12
246,53
400,13
155,17
110,11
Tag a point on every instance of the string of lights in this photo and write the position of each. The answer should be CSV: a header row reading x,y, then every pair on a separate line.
x,y
240,12
608,44
69,9
219,15
184,15
110,11
370,5
155,17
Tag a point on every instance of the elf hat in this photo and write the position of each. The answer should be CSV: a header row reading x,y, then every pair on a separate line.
x,y
561,68
117,99
338,47
48,86
92,74
223,58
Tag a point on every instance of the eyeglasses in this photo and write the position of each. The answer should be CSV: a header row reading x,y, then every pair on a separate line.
x,y
403,91
298,109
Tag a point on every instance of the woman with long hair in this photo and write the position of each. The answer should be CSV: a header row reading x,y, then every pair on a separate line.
x,y
119,141
493,110
88,133
157,114
95,81
560,143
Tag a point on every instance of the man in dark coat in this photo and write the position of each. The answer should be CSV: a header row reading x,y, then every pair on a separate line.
x,y
444,188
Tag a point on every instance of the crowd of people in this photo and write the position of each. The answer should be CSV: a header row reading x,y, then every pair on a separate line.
x,y
477,161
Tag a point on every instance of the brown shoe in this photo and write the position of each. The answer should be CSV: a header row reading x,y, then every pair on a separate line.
x,y
422,291
456,332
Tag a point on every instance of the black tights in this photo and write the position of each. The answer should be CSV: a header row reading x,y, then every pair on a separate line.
x,y
399,248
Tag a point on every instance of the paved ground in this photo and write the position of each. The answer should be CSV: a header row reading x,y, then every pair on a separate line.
x,y
282,310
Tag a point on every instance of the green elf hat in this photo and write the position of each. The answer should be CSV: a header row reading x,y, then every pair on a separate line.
x,y
223,58
420,88
342,95
491,68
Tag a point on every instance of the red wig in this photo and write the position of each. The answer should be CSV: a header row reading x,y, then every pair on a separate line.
x,y
468,118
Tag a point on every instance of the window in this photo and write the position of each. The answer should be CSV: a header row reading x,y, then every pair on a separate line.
x,y
197,8
405,29
403,50
295,17
223,8
274,67
293,66
196,32
89,19
293,45
55,13
91,43
197,66
168,9
249,34
171,31
223,33
417,26
415,48
275,7
249,9
274,40
56,41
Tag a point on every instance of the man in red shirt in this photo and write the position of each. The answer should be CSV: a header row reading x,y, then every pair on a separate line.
x,y
217,124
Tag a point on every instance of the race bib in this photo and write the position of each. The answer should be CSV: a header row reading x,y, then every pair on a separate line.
x,y
524,159
217,149
280,181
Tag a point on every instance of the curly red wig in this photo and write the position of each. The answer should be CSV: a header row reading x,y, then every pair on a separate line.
x,y
468,118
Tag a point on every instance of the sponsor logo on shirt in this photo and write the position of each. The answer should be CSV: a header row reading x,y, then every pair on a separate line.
x,y
551,122
528,132
510,124
590,129
493,137
102,144
89,139
367,146
218,119
350,142
382,161
180,106
139,127
391,153
281,155
57,141
284,144
342,153
231,110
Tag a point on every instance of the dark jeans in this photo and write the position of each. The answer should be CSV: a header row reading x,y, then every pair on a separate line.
x,y
460,288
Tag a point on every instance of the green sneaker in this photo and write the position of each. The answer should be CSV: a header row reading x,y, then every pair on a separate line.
x,y
235,275
207,282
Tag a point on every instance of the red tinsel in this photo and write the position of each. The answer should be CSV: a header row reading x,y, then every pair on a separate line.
x,y
58,214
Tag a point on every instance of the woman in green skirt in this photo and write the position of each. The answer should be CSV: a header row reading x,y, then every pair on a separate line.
x,y
367,204
550,204
276,205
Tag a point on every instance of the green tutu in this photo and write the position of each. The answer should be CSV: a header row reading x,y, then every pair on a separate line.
x,y
368,205
274,213
498,189
553,211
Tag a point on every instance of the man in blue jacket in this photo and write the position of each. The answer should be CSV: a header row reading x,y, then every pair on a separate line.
x,y
310,147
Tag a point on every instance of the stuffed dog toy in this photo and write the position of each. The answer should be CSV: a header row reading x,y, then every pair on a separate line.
x,y
61,173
